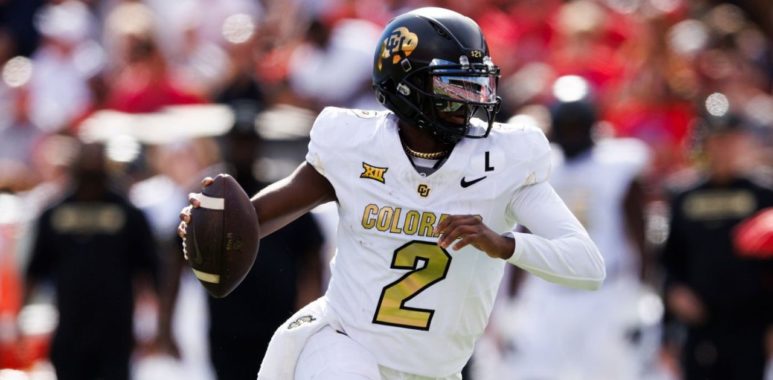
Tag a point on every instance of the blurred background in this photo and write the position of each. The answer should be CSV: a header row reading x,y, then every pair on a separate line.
x,y
141,99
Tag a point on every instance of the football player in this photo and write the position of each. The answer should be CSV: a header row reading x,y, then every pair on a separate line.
x,y
428,194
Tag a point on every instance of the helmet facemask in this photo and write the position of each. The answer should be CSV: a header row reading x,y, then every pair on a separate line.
x,y
445,96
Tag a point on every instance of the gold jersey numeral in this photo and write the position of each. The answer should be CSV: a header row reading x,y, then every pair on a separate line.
x,y
428,265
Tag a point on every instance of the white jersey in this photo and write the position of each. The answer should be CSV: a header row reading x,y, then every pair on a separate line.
x,y
417,307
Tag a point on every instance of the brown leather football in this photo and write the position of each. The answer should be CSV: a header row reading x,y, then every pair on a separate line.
x,y
222,238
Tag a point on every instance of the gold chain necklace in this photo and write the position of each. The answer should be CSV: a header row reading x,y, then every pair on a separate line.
x,y
425,156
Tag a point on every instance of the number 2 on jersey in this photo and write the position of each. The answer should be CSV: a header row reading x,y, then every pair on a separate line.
x,y
391,308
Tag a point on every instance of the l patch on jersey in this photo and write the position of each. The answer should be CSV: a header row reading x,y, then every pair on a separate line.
x,y
373,172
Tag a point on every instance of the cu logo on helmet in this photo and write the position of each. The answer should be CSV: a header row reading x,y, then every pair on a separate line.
x,y
400,44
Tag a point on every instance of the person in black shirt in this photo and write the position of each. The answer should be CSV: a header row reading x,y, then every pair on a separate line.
x,y
94,246
724,300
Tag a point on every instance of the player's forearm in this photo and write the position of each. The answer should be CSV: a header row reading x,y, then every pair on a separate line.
x,y
286,200
572,260
559,250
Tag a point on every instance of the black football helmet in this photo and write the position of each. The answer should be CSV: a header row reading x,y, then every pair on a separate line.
x,y
434,61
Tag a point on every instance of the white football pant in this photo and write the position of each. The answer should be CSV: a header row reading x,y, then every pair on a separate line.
x,y
330,355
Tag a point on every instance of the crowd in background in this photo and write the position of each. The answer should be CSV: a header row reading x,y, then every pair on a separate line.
x,y
654,69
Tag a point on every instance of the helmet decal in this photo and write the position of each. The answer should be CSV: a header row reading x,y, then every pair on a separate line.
x,y
399,45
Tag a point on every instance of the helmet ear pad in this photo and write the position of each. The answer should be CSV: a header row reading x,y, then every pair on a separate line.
x,y
409,108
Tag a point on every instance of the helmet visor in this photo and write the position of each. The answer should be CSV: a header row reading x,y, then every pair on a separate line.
x,y
466,89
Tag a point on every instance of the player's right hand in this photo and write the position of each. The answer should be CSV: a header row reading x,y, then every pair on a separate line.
x,y
459,231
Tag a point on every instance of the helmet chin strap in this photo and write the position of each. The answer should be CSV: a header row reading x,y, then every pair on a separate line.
x,y
446,133
454,133
443,133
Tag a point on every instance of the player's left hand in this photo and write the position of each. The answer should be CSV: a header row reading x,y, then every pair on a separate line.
x,y
464,230
185,213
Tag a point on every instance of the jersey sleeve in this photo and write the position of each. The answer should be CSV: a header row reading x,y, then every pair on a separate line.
x,y
335,132
320,140
542,163
558,249
530,153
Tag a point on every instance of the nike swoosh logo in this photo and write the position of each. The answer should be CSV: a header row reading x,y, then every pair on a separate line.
x,y
466,183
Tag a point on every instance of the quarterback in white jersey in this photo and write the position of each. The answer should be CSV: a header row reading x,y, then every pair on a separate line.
x,y
392,285
428,194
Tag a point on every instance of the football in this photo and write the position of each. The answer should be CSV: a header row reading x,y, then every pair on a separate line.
x,y
222,239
